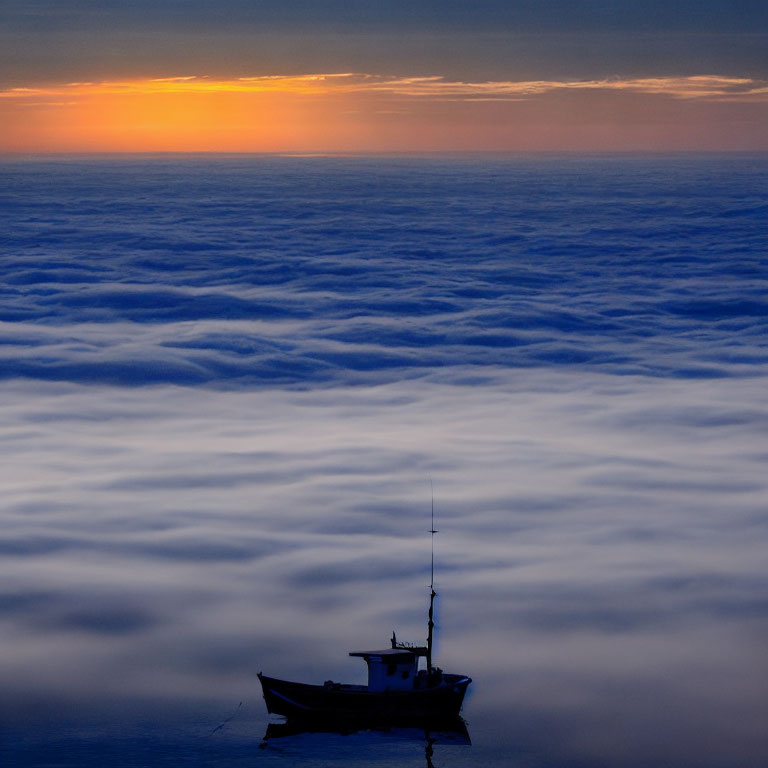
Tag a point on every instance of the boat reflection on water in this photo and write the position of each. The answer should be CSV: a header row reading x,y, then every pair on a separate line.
x,y
445,732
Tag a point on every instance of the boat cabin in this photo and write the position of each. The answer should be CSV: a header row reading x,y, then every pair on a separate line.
x,y
393,669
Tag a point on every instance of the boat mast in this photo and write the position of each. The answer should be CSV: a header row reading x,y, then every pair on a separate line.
x,y
432,593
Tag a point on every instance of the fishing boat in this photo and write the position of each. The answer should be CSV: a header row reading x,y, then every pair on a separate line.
x,y
397,688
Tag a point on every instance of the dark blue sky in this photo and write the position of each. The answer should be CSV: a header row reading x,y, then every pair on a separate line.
x,y
44,40
368,15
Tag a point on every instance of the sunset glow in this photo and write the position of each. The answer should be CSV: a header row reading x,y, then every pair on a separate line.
x,y
363,112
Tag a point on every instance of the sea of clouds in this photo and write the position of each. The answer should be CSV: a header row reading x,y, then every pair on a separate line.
x,y
228,382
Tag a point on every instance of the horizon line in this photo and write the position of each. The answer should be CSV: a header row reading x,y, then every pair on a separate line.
x,y
319,153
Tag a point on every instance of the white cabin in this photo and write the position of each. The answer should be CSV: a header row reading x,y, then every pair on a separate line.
x,y
393,669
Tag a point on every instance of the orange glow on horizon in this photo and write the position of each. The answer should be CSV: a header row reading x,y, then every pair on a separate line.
x,y
357,112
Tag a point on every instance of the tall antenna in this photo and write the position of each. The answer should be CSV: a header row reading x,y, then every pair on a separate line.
x,y
432,593
433,532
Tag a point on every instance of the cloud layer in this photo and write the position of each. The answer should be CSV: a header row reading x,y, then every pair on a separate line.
x,y
306,271
227,384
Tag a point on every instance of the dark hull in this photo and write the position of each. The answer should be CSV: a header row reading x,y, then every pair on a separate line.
x,y
356,702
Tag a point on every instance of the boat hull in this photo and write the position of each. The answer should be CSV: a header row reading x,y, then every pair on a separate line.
x,y
299,700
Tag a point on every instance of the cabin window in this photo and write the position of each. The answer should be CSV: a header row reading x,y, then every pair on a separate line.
x,y
391,669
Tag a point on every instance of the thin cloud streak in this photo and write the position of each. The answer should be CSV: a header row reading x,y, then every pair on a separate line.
x,y
691,87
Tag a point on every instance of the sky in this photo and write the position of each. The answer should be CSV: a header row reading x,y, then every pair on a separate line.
x,y
359,76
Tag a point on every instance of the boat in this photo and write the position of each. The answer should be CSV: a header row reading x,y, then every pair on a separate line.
x,y
397,688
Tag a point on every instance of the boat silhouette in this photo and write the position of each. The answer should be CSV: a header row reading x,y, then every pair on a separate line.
x,y
396,688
